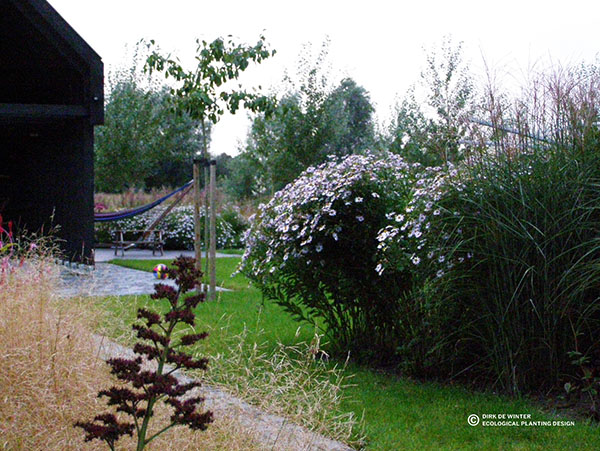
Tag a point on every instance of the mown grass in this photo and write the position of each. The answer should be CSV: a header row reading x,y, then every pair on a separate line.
x,y
232,314
231,251
398,413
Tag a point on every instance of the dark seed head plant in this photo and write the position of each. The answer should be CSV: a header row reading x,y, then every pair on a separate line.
x,y
150,386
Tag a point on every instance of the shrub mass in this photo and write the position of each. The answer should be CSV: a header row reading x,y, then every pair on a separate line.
x,y
486,271
313,249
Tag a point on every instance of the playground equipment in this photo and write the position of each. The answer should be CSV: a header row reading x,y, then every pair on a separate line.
x,y
122,214
210,231
147,236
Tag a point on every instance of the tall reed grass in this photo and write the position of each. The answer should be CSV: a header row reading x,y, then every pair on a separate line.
x,y
530,216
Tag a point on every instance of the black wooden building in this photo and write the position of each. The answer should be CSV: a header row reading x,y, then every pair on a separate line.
x,y
51,97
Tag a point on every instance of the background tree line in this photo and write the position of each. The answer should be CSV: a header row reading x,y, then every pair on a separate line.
x,y
145,144
313,121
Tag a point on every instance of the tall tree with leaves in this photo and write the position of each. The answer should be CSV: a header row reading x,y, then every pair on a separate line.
x,y
314,119
143,144
305,130
348,119
434,129
203,93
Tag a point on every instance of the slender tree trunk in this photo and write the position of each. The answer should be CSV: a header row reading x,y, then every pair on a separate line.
x,y
206,218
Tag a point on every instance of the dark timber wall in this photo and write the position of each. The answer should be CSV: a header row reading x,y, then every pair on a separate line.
x,y
51,96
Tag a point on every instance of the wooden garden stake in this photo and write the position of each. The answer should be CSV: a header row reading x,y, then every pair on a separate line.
x,y
213,230
197,225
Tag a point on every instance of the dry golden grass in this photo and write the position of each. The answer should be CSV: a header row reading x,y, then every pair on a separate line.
x,y
50,373
295,382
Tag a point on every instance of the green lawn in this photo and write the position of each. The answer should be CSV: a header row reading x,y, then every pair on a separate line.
x,y
231,251
399,413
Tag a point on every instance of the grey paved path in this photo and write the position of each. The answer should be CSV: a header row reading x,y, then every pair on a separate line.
x,y
107,280
104,255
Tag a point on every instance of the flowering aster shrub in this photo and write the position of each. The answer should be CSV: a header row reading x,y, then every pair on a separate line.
x,y
425,233
314,250
177,227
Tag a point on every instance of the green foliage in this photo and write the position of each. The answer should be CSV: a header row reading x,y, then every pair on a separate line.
x,y
243,175
200,93
280,146
432,121
586,384
311,122
142,143
348,120
218,62
304,132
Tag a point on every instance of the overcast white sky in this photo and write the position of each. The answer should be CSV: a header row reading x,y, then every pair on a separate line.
x,y
379,43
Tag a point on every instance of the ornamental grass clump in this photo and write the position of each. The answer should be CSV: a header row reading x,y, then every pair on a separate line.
x,y
531,219
531,293
45,362
513,288
313,250
150,386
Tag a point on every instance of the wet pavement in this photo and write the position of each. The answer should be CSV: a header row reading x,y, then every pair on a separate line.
x,y
108,279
